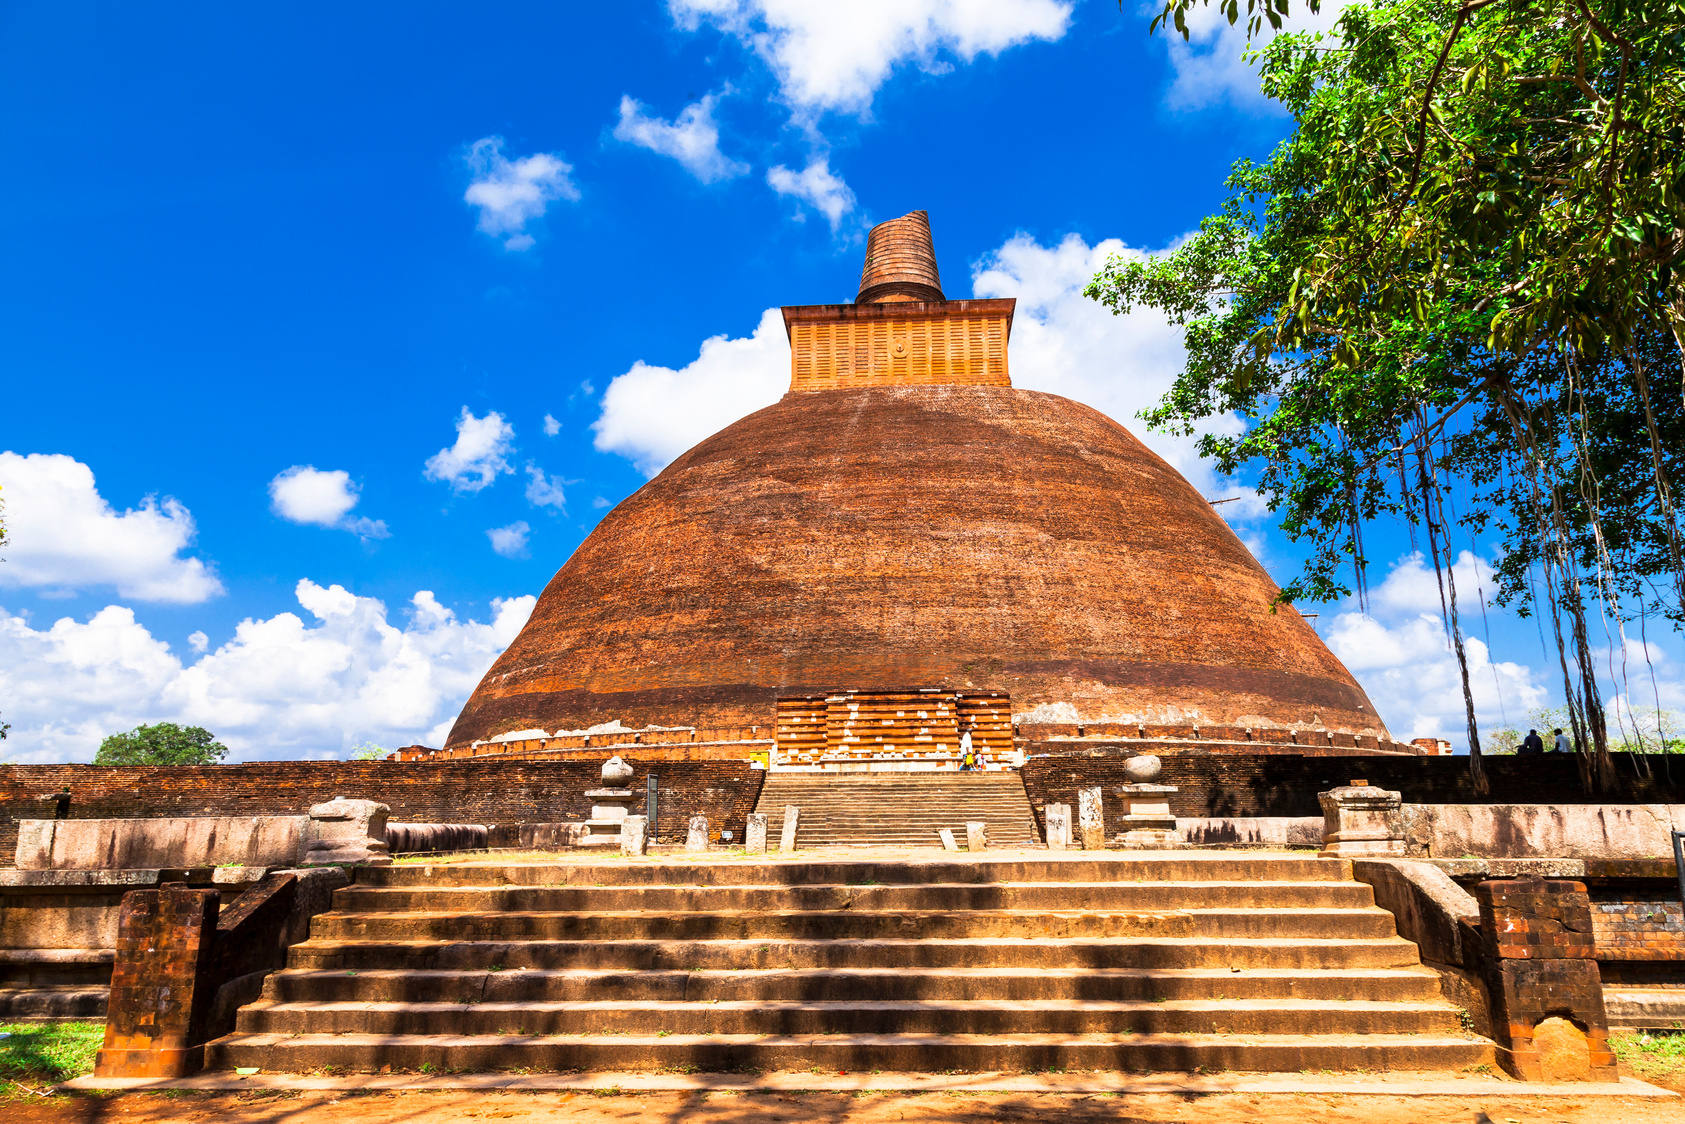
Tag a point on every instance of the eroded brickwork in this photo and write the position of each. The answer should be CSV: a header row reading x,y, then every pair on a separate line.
x,y
158,992
1539,954
964,537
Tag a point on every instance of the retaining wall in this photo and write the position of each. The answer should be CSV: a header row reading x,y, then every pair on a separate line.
x,y
485,790
1285,784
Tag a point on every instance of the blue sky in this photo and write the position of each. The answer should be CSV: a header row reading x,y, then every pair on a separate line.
x,y
309,309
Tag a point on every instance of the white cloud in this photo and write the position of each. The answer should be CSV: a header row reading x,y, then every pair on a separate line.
x,y
1062,342
198,641
652,414
551,426
479,456
1065,343
511,193
834,57
692,138
304,494
545,491
1399,652
816,186
1210,65
280,688
510,541
62,535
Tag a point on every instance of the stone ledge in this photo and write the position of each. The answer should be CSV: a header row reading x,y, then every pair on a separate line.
x,y
1373,1084
74,879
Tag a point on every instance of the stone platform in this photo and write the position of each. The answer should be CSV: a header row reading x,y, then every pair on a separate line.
x,y
1014,963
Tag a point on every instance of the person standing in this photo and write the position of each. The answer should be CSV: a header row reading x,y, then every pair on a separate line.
x,y
1532,743
967,761
1562,744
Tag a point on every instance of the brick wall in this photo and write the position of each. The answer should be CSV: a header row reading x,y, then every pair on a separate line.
x,y
1286,784
483,790
1638,924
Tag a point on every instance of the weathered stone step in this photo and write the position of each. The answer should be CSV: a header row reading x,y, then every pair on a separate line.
x,y
904,1053
1028,982
653,1017
900,809
936,896
53,1003
1284,953
1076,866
851,924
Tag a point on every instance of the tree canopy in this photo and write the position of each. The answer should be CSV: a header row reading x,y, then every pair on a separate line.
x,y
164,743
1451,296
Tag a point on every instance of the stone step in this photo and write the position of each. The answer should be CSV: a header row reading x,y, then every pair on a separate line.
x,y
53,1003
653,1017
931,896
850,924
931,781
900,809
1028,982
1058,867
1290,954
905,1053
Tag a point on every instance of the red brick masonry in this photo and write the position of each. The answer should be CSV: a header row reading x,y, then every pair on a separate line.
x,y
1539,950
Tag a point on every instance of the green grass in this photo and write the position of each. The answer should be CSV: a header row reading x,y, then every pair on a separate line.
x,y
36,1054
1652,1053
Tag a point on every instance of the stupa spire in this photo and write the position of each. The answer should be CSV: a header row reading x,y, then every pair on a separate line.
x,y
900,262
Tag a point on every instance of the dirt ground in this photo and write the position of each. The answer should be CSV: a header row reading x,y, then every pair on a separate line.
x,y
828,1108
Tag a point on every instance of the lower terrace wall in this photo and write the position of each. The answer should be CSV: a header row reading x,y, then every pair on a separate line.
x,y
486,790
1285,784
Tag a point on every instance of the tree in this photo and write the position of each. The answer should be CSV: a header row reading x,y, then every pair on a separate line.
x,y
162,744
368,751
1452,296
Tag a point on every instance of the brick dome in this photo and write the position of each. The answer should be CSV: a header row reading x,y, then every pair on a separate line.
x,y
899,536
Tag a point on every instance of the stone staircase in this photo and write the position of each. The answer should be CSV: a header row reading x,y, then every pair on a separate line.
x,y
899,809
1067,961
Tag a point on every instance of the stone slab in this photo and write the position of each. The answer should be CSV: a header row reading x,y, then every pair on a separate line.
x,y
792,818
634,836
159,841
696,837
1376,1084
1058,821
73,879
1542,831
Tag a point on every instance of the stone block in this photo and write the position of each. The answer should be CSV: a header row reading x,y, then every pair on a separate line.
x,y
1361,820
754,838
1091,818
792,817
976,835
696,838
346,831
949,843
1147,823
1058,818
634,835
158,842
1536,919
1585,831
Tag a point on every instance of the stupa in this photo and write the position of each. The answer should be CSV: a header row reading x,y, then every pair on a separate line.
x,y
905,518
